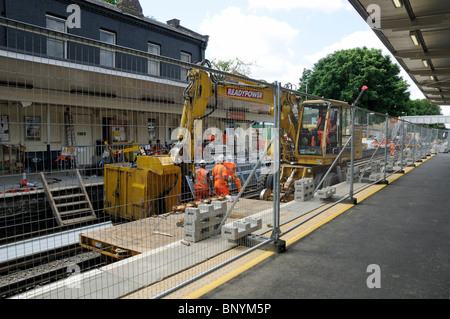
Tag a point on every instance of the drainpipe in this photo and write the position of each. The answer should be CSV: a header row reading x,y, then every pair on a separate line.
x,y
49,153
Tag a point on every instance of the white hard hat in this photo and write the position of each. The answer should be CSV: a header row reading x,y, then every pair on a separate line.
x,y
202,162
229,158
220,159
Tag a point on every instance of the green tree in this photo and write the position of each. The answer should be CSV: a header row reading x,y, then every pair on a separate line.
x,y
303,87
233,65
342,74
422,107
114,2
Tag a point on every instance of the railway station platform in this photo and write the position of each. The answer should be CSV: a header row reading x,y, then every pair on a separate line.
x,y
401,227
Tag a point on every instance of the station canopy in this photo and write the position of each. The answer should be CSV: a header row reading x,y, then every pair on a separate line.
x,y
417,33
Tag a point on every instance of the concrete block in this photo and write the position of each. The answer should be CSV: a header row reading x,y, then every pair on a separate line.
x,y
376,177
302,197
200,224
302,192
205,211
356,172
326,192
304,189
241,228
199,234
202,221
304,182
375,167
304,185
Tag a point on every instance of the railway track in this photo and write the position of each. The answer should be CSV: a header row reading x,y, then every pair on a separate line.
x,y
29,263
39,270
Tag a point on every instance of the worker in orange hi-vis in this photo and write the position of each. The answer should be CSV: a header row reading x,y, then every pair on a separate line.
x,y
202,187
316,140
158,147
231,173
392,148
220,178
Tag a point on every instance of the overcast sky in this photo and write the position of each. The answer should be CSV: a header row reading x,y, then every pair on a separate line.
x,y
280,37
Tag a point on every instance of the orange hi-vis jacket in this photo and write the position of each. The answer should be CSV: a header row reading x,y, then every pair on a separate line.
x,y
201,187
320,128
220,180
231,171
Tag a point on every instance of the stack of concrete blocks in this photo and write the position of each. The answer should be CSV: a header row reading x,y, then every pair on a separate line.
x,y
356,171
375,168
304,189
201,222
390,164
241,228
409,157
326,192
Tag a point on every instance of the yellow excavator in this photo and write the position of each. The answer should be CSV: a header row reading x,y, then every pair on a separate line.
x,y
316,133
312,134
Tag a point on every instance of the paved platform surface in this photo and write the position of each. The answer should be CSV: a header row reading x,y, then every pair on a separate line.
x,y
403,229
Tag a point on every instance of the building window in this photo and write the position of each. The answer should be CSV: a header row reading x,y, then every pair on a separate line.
x,y
107,57
185,57
153,66
56,48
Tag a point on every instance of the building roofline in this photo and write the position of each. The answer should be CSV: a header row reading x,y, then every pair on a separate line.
x,y
172,25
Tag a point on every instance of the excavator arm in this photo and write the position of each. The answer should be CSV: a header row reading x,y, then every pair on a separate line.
x,y
196,97
203,86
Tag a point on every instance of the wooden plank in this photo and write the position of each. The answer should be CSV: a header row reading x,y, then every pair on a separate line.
x,y
72,203
77,220
75,211
70,196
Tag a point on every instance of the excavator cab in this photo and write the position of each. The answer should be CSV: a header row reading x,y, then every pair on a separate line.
x,y
312,129
324,129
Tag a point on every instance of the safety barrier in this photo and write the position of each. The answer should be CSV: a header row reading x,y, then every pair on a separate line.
x,y
161,215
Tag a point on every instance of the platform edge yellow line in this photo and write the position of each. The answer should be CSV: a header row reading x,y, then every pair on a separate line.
x,y
310,230
216,283
200,292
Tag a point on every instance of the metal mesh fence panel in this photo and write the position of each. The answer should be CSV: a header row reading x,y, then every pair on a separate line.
x,y
126,174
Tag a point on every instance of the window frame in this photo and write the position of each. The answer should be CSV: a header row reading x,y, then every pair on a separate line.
x,y
106,51
183,71
64,43
156,64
